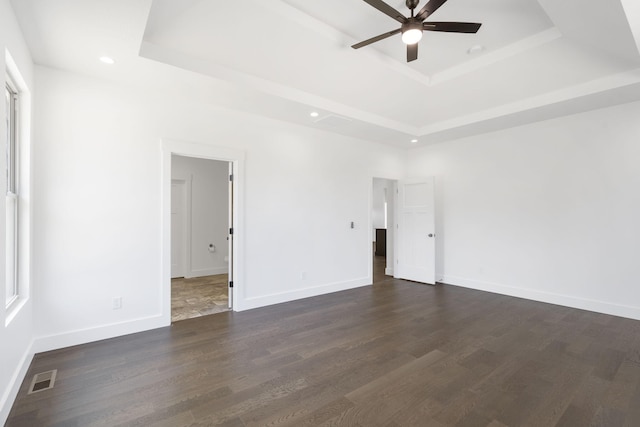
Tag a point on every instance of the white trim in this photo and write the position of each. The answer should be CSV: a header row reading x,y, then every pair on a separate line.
x,y
627,311
203,151
297,294
24,173
370,228
92,334
11,392
188,226
13,308
12,202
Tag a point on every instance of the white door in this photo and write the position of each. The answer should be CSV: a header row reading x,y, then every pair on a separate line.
x,y
415,259
230,235
178,237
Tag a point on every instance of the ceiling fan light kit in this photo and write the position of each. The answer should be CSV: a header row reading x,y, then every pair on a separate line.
x,y
411,32
413,26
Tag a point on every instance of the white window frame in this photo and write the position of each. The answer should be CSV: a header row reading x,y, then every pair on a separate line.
x,y
19,198
12,283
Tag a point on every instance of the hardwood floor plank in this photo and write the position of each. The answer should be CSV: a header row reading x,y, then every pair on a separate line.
x,y
393,354
399,375
325,413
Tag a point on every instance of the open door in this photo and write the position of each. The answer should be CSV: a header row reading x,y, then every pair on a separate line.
x,y
415,259
230,236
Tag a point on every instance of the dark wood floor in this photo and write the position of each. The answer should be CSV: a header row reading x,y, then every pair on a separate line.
x,y
393,354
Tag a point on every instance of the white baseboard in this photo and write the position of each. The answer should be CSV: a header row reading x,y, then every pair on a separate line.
x,y
83,336
206,272
627,311
10,393
263,301
388,271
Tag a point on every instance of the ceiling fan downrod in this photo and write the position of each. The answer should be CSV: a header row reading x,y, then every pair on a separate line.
x,y
412,4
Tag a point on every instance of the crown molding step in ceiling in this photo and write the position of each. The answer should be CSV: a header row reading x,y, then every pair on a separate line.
x,y
528,57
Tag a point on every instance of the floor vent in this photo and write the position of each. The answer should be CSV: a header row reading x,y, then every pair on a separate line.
x,y
43,381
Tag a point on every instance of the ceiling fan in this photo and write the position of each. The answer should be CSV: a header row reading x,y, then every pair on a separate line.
x,y
413,26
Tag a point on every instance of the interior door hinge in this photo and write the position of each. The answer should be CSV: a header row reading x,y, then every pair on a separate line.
x,y
231,284
231,231
230,178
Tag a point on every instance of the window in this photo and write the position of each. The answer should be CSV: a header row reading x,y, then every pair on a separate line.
x,y
11,101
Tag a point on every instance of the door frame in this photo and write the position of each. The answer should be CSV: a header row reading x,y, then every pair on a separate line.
x,y
203,151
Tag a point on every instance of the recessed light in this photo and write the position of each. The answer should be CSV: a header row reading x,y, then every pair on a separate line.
x,y
413,141
314,114
475,49
107,60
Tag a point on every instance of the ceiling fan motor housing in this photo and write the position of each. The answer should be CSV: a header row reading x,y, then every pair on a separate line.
x,y
412,4
412,24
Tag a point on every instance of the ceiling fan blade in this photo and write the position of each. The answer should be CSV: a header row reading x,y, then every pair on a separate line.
x,y
376,39
387,10
452,27
412,52
429,8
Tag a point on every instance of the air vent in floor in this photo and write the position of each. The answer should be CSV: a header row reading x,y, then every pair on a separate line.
x,y
43,381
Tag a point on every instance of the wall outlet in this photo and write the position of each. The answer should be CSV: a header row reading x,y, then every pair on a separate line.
x,y
117,303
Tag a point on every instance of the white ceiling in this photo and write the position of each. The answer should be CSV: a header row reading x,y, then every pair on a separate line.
x,y
285,58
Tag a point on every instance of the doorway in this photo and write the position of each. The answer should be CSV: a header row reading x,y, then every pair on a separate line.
x,y
192,259
382,222
403,227
200,216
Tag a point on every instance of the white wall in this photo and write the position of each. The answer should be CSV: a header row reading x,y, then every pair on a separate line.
x,y
99,213
547,211
209,213
16,330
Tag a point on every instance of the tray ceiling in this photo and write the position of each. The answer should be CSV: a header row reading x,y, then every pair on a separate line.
x,y
285,58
